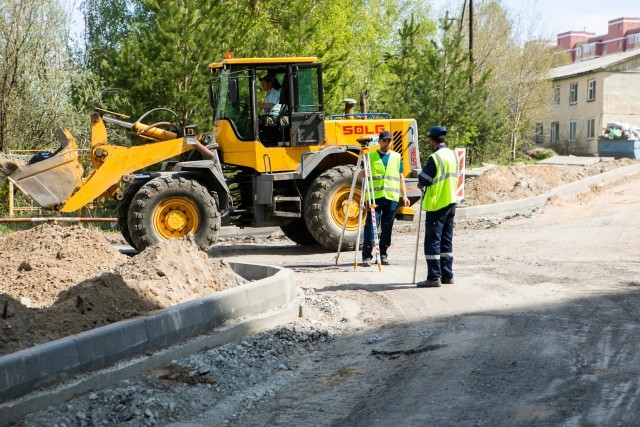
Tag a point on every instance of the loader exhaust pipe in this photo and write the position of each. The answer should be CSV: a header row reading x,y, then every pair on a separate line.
x,y
363,101
349,108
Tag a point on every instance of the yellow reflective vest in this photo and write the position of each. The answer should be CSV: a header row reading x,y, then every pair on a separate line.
x,y
442,191
386,181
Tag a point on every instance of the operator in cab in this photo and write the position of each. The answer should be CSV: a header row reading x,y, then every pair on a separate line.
x,y
270,85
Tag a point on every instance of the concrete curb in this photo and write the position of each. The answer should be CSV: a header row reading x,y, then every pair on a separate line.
x,y
30,379
229,231
526,205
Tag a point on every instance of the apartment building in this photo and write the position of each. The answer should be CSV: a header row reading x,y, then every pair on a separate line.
x,y
586,96
623,35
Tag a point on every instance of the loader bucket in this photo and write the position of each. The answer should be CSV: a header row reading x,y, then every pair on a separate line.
x,y
50,182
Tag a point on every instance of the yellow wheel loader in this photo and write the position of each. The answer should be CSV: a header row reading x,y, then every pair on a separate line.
x,y
291,168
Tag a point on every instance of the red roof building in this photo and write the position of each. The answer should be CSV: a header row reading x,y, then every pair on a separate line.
x,y
623,35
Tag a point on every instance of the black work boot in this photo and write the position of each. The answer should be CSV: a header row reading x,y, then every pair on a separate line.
x,y
447,280
434,283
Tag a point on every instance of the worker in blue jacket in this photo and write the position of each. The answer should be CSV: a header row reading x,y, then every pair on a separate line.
x,y
440,178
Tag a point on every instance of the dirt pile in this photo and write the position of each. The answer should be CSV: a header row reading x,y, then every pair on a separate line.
x,y
520,181
9,163
96,284
37,264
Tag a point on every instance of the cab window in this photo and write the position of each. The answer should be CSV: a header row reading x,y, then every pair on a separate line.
x,y
306,91
234,102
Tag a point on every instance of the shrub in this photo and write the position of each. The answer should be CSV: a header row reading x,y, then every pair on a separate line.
x,y
541,153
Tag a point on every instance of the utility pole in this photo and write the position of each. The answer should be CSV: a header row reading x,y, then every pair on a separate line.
x,y
471,41
464,7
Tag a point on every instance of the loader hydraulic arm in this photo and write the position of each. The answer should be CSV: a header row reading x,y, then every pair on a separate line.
x,y
112,162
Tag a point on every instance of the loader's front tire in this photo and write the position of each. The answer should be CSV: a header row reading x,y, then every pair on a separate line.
x,y
123,209
297,231
170,207
326,208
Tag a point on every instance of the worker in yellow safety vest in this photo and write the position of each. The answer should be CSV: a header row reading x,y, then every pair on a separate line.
x,y
389,186
440,178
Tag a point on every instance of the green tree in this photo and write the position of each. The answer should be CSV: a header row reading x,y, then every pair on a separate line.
x,y
160,52
107,24
349,38
514,52
406,64
431,82
33,64
41,87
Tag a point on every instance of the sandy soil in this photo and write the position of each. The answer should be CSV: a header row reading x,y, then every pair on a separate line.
x,y
525,180
60,280
10,163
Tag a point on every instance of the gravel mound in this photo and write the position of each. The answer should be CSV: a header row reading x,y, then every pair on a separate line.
x,y
212,384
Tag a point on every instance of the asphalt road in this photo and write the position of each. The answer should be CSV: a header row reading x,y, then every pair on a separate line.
x,y
540,328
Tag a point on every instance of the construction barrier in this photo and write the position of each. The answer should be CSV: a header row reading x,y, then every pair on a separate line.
x,y
461,155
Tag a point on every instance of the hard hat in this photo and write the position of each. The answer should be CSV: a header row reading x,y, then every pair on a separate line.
x,y
437,131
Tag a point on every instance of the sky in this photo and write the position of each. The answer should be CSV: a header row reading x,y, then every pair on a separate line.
x,y
559,16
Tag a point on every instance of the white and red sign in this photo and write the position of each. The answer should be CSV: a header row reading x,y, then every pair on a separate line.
x,y
461,155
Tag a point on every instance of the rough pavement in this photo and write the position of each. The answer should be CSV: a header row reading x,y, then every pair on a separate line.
x,y
540,328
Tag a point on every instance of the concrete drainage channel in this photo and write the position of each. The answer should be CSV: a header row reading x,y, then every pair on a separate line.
x,y
51,373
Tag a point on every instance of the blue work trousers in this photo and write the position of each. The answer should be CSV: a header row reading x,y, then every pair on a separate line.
x,y
438,242
385,215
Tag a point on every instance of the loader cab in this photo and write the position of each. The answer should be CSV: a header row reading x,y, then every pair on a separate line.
x,y
296,121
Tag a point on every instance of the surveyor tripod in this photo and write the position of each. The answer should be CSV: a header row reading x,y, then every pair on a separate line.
x,y
367,197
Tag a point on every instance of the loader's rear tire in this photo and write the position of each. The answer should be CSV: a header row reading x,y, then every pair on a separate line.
x,y
297,231
123,209
326,206
170,207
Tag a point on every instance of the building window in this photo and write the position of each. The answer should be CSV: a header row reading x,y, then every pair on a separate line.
x,y
591,91
619,44
555,131
539,133
573,126
604,49
556,95
573,93
591,128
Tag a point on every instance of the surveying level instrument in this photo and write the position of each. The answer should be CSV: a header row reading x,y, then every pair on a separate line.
x,y
366,198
